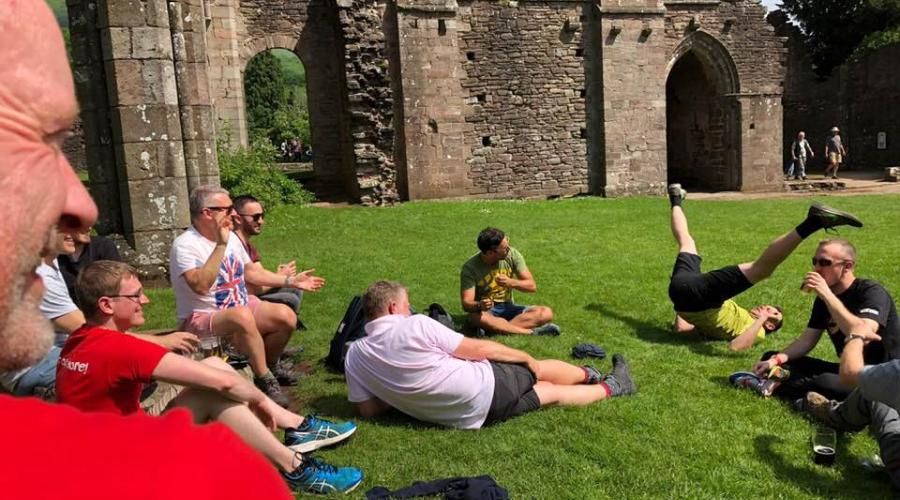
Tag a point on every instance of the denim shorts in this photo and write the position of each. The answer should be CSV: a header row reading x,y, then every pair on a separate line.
x,y
508,310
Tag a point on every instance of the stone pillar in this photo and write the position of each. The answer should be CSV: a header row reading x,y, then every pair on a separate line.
x,y
371,176
146,125
633,91
433,115
187,20
90,85
225,70
761,131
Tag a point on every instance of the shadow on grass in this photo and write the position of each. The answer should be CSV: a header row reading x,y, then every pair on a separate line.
x,y
810,481
653,333
336,405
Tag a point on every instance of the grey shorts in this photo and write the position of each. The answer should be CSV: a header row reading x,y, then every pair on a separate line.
x,y
513,392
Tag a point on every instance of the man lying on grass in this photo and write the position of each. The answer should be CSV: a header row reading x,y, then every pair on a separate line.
x,y
102,369
703,300
431,373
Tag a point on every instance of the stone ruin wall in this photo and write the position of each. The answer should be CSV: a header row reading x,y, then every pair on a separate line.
x,y
861,97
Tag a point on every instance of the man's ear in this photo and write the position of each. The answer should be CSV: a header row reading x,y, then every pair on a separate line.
x,y
104,305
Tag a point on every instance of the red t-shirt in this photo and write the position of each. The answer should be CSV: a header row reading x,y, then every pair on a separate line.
x,y
56,451
105,370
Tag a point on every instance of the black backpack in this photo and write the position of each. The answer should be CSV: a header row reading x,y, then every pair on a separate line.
x,y
352,327
439,314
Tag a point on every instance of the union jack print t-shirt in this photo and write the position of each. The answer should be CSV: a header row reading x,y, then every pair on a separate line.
x,y
191,251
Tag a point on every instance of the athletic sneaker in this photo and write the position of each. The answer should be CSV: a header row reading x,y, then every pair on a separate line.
x,y
675,191
817,407
269,385
619,379
315,433
747,380
315,476
549,329
828,217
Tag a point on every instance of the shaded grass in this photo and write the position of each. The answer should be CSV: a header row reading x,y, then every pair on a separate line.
x,y
603,265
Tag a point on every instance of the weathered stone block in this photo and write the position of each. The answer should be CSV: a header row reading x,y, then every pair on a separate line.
x,y
120,13
116,43
196,122
146,123
157,204
892,174
151,43
147,160
193,86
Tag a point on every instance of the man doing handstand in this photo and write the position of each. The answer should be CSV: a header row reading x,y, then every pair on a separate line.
x,y
703,300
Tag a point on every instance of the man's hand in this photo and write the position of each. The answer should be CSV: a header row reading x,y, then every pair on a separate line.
x,y
306,281
762,368
288,269
184,342
867,336
265,411
814,282
760,312
486,304
223,227
535,368
504,281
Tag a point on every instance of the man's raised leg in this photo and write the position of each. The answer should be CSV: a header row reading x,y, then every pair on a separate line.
x,y
680,229
565,384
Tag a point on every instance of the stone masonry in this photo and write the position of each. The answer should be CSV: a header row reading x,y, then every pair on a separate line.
x,y
419,99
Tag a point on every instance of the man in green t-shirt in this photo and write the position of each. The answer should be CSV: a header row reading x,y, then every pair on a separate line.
x,y
487,281
703,300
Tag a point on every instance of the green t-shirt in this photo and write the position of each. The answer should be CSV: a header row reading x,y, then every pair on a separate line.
x,y
482,277
725,322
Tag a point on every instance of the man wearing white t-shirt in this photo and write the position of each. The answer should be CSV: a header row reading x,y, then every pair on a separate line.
x,y
209,272
431,373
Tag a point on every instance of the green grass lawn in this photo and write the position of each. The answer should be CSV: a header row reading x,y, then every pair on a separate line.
x,y
603,265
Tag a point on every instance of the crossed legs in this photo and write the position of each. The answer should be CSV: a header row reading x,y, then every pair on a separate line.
x,y
523,324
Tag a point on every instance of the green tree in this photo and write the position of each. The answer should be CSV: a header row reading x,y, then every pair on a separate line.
x,y
265,92
834,28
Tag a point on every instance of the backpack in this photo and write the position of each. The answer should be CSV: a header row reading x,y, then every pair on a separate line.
x,y
351,328
438,313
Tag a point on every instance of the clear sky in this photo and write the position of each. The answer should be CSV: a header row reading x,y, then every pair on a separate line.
x,y
770,4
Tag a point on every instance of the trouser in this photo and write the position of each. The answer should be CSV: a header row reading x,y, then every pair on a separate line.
x,y
290,297
810,374
857,412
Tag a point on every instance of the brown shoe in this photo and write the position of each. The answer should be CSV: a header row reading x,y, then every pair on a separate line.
x,y
818,407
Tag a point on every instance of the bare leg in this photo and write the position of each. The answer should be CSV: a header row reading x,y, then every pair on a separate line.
x,y
535,316
493,323
771,258
275,322
569,395
681,233
559,372
206,406
682,326
239,323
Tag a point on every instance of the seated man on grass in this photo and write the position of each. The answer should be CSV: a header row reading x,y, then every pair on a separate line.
x,y
210,271
103,369
431,373
703,300
487,281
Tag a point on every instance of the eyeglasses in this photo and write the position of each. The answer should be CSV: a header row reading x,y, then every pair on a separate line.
x,y
229,208
135,297
254,217
817,262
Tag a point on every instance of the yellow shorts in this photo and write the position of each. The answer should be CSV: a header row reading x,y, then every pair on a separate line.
x,y
835,158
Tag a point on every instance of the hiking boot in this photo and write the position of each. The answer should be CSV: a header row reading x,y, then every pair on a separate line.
x,y
817,407
284,373
315,433
747,380
619,379
291,352
828,217
591,375
315,476
269,385
550,329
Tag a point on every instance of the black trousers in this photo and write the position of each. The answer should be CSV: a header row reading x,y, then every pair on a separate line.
x,y
810,374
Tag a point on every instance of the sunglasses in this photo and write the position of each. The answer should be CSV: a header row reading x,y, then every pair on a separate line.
x,y
229,208
816,262
254,217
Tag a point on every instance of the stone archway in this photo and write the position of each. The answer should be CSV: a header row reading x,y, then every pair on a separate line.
x,y
703,140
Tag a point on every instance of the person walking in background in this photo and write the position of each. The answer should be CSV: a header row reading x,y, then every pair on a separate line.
x,y
799,149
834,152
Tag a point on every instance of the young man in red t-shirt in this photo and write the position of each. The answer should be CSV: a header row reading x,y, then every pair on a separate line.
x,y
102,369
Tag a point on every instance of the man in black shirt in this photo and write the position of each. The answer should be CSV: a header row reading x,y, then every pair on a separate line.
x,y
87,249
845,305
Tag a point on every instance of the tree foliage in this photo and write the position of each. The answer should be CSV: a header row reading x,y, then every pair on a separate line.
x,y
834,28
275,87
253,171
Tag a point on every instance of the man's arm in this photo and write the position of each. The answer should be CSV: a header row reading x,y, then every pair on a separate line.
x,y
852,361
469,304
372,408
307,281
477,350
848,322
69,322
184,371
524,281
176,341
797,349
748,336
201,279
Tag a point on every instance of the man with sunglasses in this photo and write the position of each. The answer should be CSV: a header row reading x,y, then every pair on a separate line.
x,y
703,301
209,270
249,219
846,307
